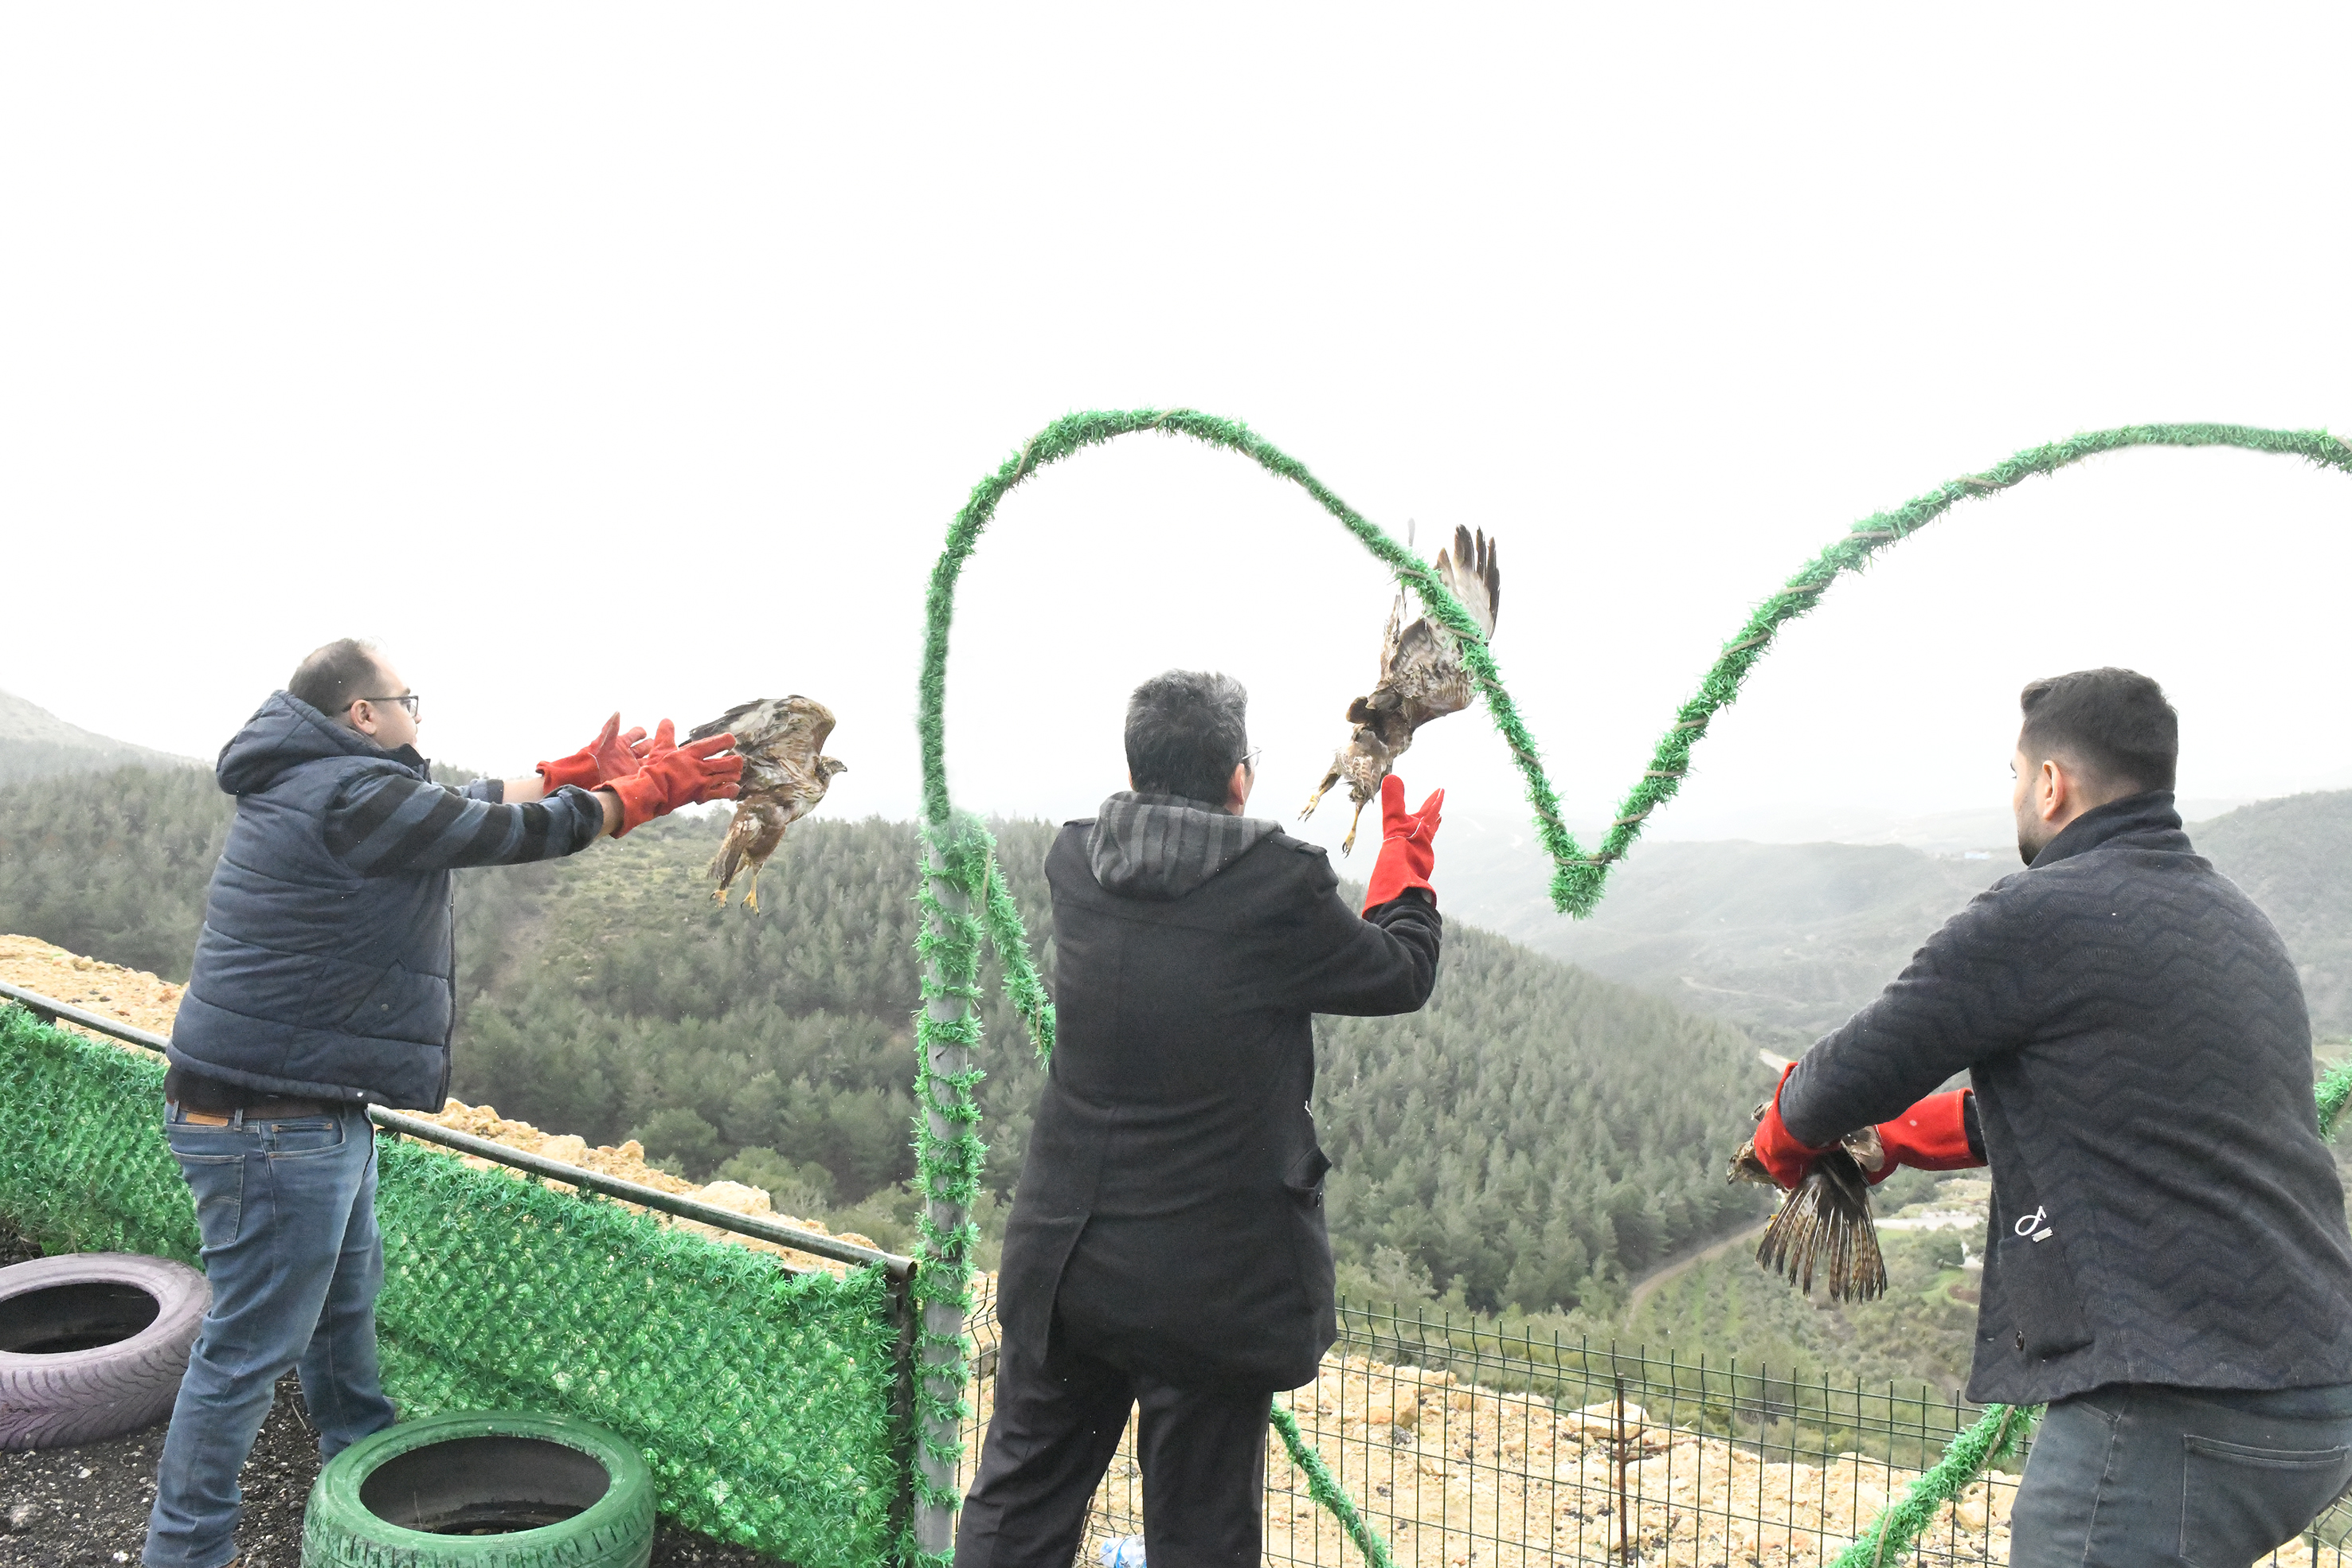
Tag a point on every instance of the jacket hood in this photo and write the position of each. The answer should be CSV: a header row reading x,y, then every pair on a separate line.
x,y
285,732
1164,846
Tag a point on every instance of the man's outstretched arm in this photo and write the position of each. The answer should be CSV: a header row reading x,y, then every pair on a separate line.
x,y
1372,965
1967,995
392,823
1384,961
534,786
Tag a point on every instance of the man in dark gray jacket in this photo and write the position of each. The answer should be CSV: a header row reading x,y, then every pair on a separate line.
x,y
322,983
2167,1266
1166,1247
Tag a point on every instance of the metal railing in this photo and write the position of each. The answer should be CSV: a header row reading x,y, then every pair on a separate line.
x,y
899,1268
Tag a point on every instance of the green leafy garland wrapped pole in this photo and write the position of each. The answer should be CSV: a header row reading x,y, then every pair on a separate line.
x,y
948,1162
963,899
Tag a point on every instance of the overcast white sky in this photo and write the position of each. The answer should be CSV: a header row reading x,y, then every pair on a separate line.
x,y
596,357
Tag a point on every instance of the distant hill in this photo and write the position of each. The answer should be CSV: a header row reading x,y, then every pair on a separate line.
x,y
2293,857
1789,939
36,744
113,865
1536,1138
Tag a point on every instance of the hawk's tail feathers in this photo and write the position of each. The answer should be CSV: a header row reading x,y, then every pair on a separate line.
x,y
1474,575
726,862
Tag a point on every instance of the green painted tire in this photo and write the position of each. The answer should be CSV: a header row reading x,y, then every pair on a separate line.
x,y
485,1489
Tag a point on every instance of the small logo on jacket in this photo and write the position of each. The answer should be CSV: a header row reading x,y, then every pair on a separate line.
x,y
2036,1225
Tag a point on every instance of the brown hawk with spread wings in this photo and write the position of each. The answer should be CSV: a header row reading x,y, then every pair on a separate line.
x,y
779,740
1422,678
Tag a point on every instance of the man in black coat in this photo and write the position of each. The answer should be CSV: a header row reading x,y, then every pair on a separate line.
x,y
1166,1247
2168,1265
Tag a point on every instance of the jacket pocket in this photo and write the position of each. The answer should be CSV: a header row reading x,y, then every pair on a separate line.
x,y
2037,1287
217,1180
1306,1178
2237,1503
1312,1240
403,1005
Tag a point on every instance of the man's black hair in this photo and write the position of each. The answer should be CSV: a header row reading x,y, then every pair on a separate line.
x,y
333,677
1185,731
2112,724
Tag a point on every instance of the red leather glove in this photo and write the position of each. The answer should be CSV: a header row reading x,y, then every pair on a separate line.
x,y
611,755
1777,1149
1407,852
682,776
1933,1135
664,742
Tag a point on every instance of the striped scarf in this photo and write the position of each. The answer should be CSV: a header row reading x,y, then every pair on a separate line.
x,y
1164,846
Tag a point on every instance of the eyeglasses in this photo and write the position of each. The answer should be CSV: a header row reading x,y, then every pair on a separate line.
x,y
412,701
1250,760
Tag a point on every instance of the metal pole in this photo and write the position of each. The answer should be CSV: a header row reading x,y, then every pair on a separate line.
x,y
942,1363
1625,1525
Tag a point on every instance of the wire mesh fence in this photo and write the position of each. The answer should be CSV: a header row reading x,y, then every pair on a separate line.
x,y
1469,1447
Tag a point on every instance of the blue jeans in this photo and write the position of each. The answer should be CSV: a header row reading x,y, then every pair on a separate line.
x,y
287,1211
2138,1476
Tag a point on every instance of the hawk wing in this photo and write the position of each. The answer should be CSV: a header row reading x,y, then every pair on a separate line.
x,y
789,730
799,734
726,721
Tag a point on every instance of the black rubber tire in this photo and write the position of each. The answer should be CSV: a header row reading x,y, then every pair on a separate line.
x,y
497,1468
93,1345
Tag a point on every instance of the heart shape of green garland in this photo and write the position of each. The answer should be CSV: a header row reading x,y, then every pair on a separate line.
x,y
963,899
1576,876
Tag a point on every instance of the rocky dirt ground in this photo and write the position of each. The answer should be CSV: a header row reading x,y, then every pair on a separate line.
x,y
134,996
1454,1474
1457,1476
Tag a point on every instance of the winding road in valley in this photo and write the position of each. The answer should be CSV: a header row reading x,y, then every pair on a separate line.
x,y
1649,1282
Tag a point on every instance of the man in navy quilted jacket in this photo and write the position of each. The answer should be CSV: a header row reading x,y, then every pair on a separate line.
x,y
322,983
2168,1267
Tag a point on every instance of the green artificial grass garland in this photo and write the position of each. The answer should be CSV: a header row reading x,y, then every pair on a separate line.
x,y
961,854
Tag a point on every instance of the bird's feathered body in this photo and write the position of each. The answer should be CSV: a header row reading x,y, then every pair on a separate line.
x,y
781,741
1421,677
1826,1220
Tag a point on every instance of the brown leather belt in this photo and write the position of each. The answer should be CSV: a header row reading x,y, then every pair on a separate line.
x,y
265,1111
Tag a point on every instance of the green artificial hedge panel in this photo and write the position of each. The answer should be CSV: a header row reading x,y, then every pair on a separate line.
x,y
83,1166
762,1400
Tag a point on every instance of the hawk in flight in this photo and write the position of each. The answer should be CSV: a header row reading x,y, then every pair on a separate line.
x,y
1422,678
779,740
